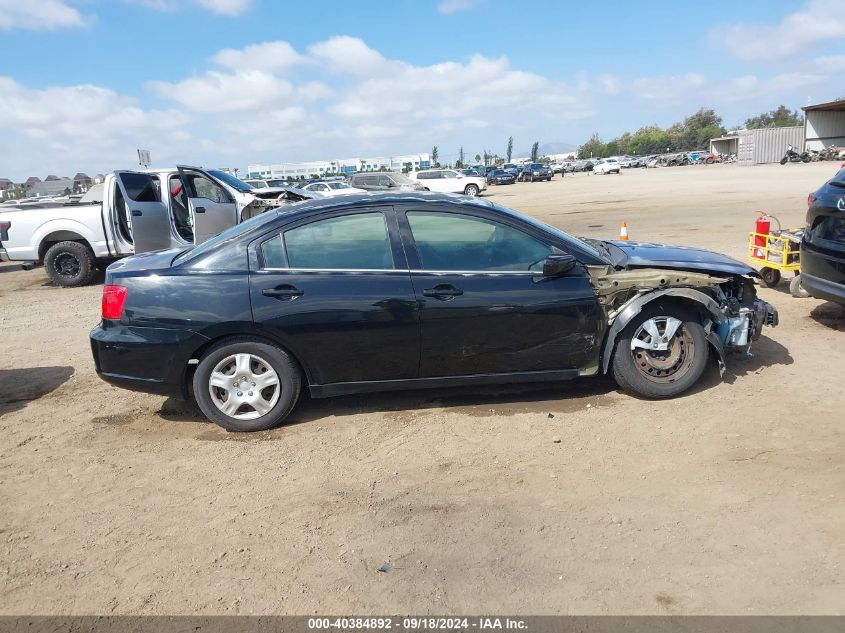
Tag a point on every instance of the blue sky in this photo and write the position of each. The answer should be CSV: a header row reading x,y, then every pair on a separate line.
x,y
230,82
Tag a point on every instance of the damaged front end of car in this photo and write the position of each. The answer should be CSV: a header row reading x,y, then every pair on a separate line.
x,y
725,304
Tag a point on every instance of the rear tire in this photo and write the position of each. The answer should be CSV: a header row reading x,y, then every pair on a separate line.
x,y
796,288
70,264
660,374
783,161
232,371
771,276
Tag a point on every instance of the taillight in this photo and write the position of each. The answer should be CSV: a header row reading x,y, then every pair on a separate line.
x,y
113,300
4,230
810,199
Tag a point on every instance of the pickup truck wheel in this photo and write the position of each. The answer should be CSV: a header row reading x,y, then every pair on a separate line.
x,y
471,191
70,264
246,385
642,369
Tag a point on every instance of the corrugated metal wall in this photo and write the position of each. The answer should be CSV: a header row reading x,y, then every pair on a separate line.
x,y
825,128
768,145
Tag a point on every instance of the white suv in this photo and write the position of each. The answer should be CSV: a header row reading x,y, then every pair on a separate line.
x,y
607,166
450,181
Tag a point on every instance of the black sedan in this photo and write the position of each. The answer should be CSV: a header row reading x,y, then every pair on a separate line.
x,y
374,292
500,177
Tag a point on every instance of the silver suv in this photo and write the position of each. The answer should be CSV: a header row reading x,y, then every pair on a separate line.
x,y
384,181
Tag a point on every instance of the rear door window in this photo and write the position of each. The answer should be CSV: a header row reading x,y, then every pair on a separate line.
x,y
349,242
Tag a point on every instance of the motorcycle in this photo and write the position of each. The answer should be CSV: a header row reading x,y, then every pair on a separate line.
x,y
792,156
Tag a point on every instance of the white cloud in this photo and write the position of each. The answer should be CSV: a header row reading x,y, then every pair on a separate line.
x,y
668,88
227,7
239,91
817,21
82,127
831,63
349,55
39,15
267,56
220,7
452,6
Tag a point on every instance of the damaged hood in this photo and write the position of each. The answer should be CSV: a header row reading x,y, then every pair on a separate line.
x,y
646,255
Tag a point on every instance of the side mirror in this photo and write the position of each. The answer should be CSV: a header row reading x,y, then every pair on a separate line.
x,y
557,265
460,175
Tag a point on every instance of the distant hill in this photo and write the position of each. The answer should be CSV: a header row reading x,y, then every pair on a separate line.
x,y
550,148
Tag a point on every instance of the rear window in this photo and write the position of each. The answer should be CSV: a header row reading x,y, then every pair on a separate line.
x,y
227,235
828,229
839,179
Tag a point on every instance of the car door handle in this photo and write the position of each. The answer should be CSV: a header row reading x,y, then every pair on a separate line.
x,y
283,293
137,213
199,210
443,292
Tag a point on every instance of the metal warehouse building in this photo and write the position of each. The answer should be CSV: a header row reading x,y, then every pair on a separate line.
x,y
756,147
824,125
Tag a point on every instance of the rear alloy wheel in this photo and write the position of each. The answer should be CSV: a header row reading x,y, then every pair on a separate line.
x,y
246,385
471,191
661,353
70,264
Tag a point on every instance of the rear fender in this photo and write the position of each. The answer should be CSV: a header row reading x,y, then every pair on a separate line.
x,y
633,307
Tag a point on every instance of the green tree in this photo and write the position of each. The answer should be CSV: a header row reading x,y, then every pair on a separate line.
x,y
594,147
510,148
779,117
434,156
535,151
478,158
697,129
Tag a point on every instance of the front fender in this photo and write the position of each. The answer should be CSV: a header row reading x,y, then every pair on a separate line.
x,y
633,307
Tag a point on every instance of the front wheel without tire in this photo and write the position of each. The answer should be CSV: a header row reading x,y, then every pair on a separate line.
x,y
70,264
246,385
661,353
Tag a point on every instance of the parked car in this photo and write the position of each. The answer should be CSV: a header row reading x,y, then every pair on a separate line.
x,y
606,166
535,172
470,172
500,177
332,188
450,181
398,291
384,181
823,246
512,168
137,212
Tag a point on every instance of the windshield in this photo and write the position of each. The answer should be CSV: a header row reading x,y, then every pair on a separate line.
x,y
257,184
235,183
339,185
228,234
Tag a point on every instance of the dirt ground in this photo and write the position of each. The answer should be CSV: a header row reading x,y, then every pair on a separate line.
x,y
570,499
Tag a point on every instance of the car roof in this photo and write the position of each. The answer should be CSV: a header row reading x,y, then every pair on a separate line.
x,y
379,198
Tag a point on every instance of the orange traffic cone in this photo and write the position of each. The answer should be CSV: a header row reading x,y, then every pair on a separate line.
x,y
623,232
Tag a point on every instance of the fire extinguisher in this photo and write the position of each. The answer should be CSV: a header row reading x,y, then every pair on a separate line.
x,y
762,228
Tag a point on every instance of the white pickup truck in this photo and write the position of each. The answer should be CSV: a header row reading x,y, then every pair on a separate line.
x,y
138,211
